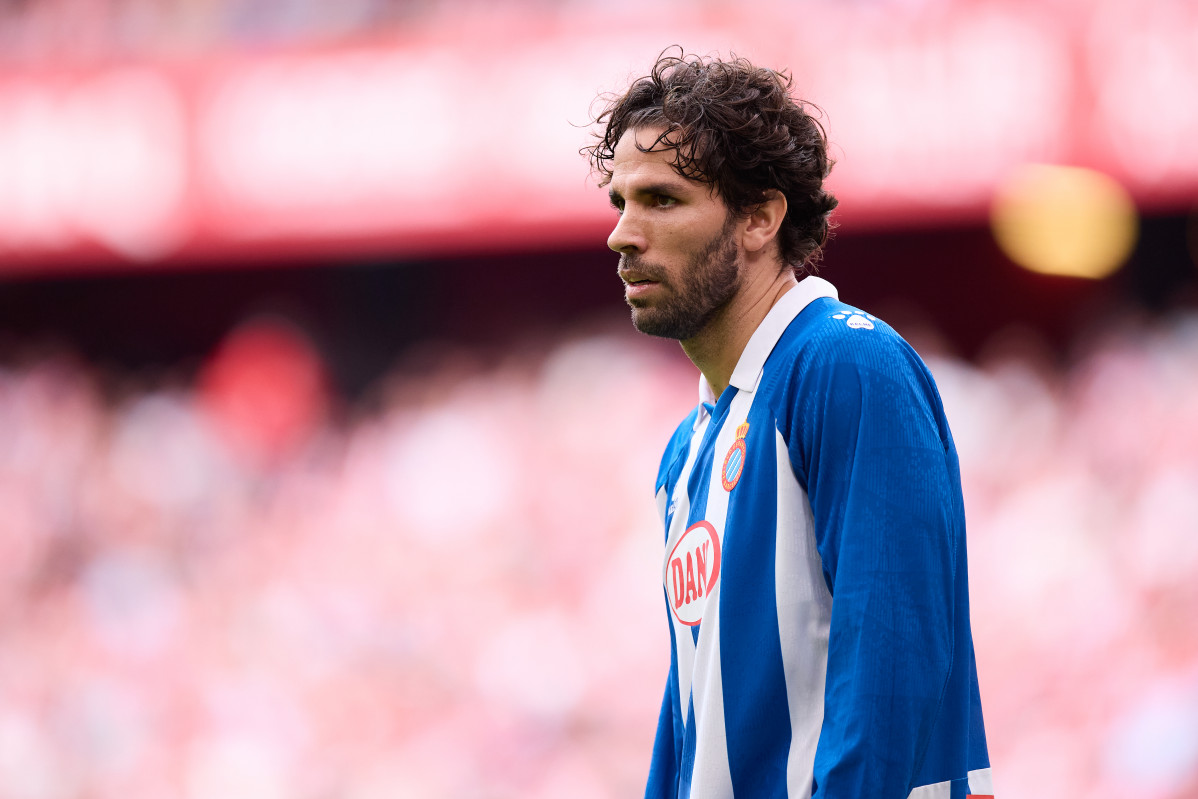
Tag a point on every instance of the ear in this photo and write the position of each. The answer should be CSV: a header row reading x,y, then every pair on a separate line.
x,y
761,227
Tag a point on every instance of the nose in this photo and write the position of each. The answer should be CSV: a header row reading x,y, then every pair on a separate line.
x,y
627,236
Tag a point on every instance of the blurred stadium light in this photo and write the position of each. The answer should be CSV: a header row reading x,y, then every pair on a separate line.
x,y
1064,221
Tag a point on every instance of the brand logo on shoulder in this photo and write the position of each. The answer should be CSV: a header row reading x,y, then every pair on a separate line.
x,y
734,461
692,569
857,320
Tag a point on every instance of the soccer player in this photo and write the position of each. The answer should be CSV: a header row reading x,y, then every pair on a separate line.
x,y
815,572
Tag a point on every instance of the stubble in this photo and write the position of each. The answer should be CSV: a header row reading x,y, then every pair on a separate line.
x,y
709,282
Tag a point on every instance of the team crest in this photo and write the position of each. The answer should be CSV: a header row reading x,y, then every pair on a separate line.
x,y
734,461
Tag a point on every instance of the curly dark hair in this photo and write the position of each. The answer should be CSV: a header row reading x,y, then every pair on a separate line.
x,y
735,127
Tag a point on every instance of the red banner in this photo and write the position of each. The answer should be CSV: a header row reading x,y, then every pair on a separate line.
x,y
466,141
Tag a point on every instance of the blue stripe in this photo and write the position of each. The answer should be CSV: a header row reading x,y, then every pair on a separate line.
x,y
756,710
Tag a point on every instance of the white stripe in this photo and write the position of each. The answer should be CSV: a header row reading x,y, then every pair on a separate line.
x,y
804,616
684,643
981,782
711,778
938,790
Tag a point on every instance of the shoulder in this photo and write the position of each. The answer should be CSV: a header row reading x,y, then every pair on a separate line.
x,y
836,360
677,447
841,333
831,336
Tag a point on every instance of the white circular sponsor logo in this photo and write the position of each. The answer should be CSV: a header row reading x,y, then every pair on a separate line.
x,y
692,569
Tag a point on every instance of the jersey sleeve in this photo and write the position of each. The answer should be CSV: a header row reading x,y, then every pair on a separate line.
x,y
875,455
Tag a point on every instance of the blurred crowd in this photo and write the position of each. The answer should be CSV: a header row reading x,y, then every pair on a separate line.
x,y
67,32
228,586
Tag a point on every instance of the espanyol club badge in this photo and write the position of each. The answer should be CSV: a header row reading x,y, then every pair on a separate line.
x,y
734,461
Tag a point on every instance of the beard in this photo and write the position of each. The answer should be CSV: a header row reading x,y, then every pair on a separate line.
x,y
708,282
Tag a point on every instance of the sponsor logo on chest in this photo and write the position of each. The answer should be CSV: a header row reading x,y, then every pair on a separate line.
x,y
692,569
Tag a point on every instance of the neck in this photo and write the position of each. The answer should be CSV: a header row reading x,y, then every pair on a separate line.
x,y
716,349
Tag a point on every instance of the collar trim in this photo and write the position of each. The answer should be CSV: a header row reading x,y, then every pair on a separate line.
x,y
749,367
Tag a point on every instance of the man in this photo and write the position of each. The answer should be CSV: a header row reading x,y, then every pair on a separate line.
x,y
815,572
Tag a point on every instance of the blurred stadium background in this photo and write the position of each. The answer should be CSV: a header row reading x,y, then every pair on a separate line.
x,y
327,452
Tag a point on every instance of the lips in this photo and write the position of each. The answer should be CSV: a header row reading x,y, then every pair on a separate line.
x,y
639,289
641,280
634,274
635,279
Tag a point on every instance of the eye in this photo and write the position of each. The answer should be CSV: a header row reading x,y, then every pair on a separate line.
x,y
618,204
664,200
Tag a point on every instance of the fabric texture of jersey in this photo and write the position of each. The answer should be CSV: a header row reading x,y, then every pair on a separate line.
x,y
815,575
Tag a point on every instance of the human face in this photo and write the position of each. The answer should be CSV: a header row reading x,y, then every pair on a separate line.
x,y
679,260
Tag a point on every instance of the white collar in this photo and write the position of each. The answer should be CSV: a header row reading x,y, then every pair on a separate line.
x,y
752,361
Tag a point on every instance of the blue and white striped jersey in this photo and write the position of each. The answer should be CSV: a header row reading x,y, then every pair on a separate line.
x,y
815,575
